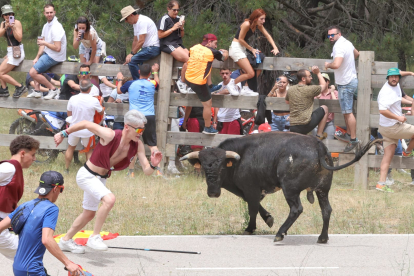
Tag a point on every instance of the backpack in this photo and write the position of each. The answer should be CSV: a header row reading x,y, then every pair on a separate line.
x,y
20,217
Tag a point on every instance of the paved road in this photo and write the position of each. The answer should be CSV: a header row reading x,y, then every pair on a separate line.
x,y
246,255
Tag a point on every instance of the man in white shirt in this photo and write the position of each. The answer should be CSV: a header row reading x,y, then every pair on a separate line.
x,y
226,118
392,124
52,50
106,82
23,150
146,39
344,55
81,107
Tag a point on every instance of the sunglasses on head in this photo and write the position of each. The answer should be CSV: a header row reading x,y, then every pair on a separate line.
x,y
331,35
138,129
60,186
84,73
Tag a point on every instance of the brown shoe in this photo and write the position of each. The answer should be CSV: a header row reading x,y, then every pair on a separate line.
x,y
323,137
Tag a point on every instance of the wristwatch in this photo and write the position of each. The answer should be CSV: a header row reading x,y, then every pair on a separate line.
x,y
153,167
132,53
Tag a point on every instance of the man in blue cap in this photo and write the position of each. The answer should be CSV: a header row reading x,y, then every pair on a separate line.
x,y
392,123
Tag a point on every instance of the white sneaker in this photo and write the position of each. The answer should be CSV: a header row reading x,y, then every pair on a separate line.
x,y
190,91
246,91
233,89
182,87
96,243
173,169
35,95
71,246
31,93
389,181
52,94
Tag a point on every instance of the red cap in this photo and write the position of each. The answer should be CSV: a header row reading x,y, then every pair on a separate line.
x,y
207,38
265,127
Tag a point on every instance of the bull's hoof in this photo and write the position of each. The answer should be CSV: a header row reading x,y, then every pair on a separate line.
x,y
269,221
278,239
247,233
310,197
320,240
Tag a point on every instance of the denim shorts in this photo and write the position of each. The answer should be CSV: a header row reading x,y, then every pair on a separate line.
x,y
44,63
280,123
346,95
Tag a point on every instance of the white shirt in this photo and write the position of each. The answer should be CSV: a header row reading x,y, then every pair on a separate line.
x,y
346,72
52,32
226,115
94,91
83,107
105,89
389,98
146,26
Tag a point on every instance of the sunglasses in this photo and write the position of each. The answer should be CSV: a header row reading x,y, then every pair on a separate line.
x,y
7,14
61,187
138,129
84,73
175,10
331,35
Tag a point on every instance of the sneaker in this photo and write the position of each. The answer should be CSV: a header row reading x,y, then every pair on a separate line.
x,y
182,87
383,188
96,243
4,92
406,154
173,169
190,91
246,91
31,93
233,89
19,91
389,181
52,94
323,137
35,94
403,171
344,137
210,130
71,246
215,87
131,174
351,146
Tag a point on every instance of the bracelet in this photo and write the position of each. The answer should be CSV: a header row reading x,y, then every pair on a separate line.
x,y
64,134
154,73
152,167
132,53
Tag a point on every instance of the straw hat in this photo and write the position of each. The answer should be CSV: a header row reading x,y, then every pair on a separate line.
x,y
127,11
6,9
326,76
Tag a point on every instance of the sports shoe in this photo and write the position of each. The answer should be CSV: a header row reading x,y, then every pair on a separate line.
x,y
406,154
182,87
344,137
233,89
210,130
52,94
383,188
19,91
4,92
246,91
96,243
403,171
35,94
323,137
71,246
190,91
351,146
215,87
389,181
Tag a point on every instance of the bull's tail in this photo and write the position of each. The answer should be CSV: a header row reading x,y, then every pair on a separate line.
x,y
359,152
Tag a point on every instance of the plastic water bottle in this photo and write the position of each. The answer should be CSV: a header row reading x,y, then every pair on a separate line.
x,y
258,60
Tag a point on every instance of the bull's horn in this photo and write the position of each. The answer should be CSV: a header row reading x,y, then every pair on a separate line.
x,y
191,155
232,154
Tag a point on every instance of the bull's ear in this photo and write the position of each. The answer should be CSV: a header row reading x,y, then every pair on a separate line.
x,y
194,161
197,165
229,163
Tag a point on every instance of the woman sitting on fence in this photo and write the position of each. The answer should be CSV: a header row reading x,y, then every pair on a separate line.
x,y
280,118
239,45
13,31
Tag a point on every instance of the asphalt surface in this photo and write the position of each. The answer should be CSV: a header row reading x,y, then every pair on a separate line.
x,y
245,255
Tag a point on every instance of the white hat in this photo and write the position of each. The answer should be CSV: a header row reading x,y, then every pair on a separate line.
x,y
127,11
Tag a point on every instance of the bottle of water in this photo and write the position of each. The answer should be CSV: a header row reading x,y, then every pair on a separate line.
x,y
258,60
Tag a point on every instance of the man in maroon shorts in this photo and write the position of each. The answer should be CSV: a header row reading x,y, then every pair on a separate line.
x,y
23,150
115,151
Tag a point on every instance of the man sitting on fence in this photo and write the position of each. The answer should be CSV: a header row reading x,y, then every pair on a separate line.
x,y
300,98
392,124
30,84
226,120
52,50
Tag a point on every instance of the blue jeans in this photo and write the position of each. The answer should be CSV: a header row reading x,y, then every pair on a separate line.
x,y
145,54
346,95
279,123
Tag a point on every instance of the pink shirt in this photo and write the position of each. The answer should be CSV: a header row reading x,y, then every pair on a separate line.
x,y
328,96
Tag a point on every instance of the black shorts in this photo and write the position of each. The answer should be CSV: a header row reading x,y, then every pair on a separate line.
x,y
150,136
170,47
202,91
317,116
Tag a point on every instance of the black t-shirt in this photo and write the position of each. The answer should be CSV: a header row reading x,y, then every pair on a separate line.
x,y
166,23
66,91
196,112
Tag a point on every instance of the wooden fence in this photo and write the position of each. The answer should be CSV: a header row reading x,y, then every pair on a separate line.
x,y
371,74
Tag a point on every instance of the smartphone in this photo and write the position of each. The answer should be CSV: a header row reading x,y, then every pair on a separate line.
x,y
182,17
11,19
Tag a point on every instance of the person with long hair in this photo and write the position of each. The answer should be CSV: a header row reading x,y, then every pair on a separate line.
x,y
239,45
13,31
280,118
87,40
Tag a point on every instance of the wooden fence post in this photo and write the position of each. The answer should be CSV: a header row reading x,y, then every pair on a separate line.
x,y
366,60
163,103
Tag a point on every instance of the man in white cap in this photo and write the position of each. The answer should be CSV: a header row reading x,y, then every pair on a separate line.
x,y
146,44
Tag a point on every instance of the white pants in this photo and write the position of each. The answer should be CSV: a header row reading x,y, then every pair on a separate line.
x,y
93,187
8,244
74,141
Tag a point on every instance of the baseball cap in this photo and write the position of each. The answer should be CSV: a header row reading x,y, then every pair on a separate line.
x,y
326,76
48,181
393,72
207,38
265,127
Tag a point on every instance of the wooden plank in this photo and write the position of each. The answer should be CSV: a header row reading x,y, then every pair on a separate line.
x,y
363,119
397,162
163,103
199,139
379,80
46,142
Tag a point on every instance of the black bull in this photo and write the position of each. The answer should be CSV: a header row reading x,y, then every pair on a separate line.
x,y
260,164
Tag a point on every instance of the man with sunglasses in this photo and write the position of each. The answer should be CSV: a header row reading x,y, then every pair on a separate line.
x,y
70,84
37,233
114,152
344,55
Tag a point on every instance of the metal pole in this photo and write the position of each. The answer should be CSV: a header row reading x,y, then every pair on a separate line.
x,y
157,250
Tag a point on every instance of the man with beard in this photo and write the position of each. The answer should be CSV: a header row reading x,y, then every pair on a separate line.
x,y
344,55
392,124
300,99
